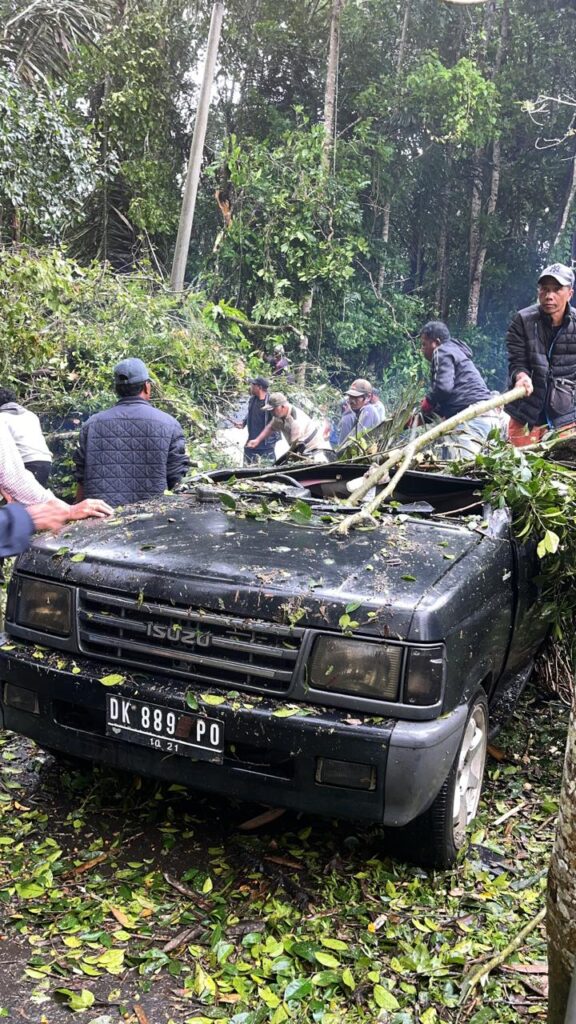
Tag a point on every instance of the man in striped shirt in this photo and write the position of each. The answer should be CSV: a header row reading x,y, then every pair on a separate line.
x,y
29,505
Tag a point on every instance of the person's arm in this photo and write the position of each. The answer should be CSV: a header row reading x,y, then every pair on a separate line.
x,y
518,361
346,427
261,436
16,529
178,462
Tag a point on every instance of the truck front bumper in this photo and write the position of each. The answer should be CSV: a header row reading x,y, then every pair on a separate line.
x,y
319,760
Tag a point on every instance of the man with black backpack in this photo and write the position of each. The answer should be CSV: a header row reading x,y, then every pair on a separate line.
x,y
541,342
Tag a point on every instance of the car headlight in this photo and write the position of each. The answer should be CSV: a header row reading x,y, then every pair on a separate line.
x,y
366,668
424,676
42,606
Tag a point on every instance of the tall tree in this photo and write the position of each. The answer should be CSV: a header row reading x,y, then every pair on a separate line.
x,y
561,920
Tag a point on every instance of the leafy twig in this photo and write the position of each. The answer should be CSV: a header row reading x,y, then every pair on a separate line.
x,y
482,972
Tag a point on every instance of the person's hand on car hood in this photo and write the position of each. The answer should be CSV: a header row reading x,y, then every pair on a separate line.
x,y
90,507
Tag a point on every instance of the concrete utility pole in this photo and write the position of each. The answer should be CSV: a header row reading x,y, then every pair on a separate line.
x,y
196,149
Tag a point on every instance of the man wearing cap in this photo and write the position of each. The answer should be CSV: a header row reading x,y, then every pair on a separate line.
x,y
541,342
132,451
256,419
363,415
304,434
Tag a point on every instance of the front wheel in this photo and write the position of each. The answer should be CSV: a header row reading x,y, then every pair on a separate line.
x,y
438,834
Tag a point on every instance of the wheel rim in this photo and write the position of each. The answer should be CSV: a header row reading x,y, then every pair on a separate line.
x,y
469,773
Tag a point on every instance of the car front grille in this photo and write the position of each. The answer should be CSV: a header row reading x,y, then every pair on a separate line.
x,y
206,648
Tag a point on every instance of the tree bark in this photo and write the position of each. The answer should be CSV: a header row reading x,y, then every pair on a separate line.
x,y
480,238
442,249
478,233
569,196
561,920
330,91
385,233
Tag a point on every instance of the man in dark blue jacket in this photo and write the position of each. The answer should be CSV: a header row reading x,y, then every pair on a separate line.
x,y
132,451
455,384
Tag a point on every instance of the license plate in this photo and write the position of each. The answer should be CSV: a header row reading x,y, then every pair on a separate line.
x,y
175,732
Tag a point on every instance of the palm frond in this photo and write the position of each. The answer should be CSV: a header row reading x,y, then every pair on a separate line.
x,y
38,37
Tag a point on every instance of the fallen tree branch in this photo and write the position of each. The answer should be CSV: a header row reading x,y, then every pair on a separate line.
x,y
405,454
484,970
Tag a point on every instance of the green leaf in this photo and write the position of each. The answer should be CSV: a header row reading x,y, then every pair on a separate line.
x,y
335,944
301,512
79,557
298,989
408,577
327,960
82,1000
548,544
30,890
112,680
384,999
213,699
348,979
191,700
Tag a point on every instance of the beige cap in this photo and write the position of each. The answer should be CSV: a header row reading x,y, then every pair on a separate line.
x,y
274,399
359,388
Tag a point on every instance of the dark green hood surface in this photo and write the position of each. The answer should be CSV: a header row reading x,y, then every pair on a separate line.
x,y
196,554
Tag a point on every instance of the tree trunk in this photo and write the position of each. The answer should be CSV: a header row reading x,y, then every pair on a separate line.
x,y
481,242
561,921
478,234
440,298
385,234
331,88
569,195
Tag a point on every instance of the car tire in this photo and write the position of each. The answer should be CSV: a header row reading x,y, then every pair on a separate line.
x,y
437,835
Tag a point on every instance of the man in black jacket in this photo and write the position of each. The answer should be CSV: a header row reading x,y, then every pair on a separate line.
x,y
455,384
541,342
131,451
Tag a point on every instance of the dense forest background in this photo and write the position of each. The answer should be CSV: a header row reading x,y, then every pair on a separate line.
x,y
447,183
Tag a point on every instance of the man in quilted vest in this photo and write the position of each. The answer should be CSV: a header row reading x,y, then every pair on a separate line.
x,y
541,341
132,451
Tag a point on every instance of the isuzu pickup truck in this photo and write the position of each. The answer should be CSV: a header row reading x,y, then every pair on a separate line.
x,y
226,639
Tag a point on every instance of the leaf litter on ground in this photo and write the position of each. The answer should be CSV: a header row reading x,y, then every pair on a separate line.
x,y
142,894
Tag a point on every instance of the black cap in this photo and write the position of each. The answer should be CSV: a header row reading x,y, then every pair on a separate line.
x,y
261,382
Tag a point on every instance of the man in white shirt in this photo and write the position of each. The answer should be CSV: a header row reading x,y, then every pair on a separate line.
x,y
19,486
26,432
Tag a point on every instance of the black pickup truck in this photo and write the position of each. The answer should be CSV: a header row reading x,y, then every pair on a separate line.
x,y
226,639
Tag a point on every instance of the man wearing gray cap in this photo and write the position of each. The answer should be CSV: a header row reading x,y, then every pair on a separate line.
x,y
132,451
541,342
